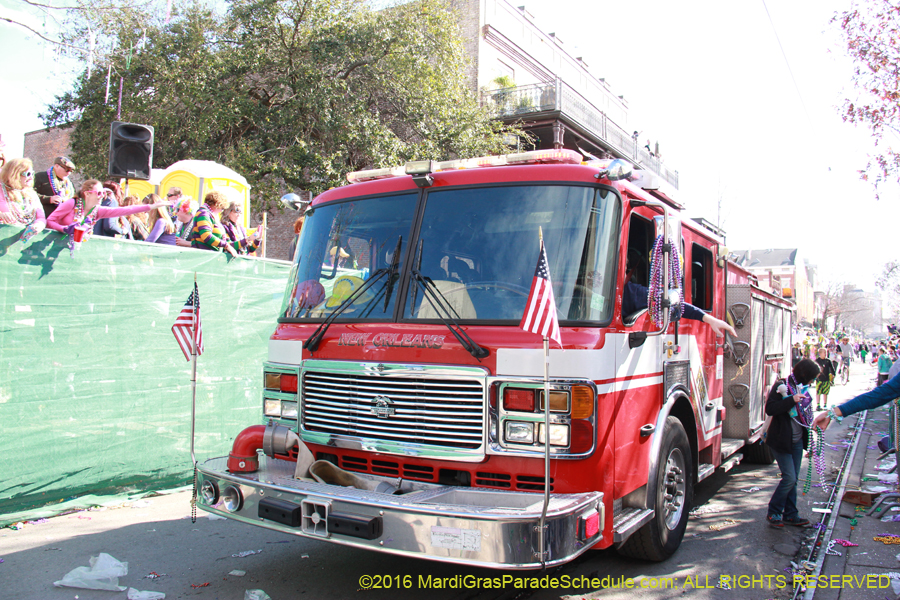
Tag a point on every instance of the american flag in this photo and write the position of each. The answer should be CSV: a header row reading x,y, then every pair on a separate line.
x,y
540,310
184,329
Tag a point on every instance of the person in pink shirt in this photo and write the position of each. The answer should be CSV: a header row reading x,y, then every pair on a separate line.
x,y
86,208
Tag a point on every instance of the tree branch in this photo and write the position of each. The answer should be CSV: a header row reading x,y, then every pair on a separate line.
x,y
42,36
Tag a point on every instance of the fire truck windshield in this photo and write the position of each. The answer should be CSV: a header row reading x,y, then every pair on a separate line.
x,y
477,247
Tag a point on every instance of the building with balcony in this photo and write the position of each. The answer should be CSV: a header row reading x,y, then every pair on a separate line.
x,y
528,77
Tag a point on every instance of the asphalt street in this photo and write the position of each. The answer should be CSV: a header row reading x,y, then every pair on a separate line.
x,y
216,559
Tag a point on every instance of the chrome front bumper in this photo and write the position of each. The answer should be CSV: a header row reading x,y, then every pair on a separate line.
x,y
472,526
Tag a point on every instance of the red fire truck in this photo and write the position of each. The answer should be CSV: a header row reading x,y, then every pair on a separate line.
x,y
406,408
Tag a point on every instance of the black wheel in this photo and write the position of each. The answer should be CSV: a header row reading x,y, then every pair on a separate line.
x,y
758,453
672,489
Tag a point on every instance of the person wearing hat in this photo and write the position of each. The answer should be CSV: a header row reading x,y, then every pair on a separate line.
x,y
340,256
53,185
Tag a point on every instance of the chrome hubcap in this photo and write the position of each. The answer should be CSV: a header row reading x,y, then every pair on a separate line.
x,y
674,488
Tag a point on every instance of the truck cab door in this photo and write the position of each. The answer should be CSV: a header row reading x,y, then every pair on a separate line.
x,y
705,286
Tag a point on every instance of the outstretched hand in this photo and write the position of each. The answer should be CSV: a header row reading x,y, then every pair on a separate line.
x,y
822,421
719,326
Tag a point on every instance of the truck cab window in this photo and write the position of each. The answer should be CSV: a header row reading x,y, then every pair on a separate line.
x,y
478,248
342,246
701,277
641,237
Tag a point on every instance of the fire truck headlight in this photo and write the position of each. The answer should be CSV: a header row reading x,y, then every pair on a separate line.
x,y
209,491
289,410
272,407
519,432
559,434
232,499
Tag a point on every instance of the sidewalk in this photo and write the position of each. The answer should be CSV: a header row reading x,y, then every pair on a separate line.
x,y
867,473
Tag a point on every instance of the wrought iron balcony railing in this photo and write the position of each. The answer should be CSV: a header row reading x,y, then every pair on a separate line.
x,y
561,98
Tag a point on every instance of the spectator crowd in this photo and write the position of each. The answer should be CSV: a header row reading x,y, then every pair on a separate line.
x,y
48,199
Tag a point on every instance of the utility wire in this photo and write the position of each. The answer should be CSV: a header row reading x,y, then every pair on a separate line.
x,y
788,64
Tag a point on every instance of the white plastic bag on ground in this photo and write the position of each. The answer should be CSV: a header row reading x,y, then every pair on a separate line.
x,y
134,594
103,574
256,595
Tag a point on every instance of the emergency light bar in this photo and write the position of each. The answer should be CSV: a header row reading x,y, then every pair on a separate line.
x,y
415,168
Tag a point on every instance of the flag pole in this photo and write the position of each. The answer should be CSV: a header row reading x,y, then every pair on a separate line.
x,y
546,435
194,372
194,395
546,446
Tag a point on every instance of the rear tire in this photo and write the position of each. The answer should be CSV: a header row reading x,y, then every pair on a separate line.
x,y
672,493
758,453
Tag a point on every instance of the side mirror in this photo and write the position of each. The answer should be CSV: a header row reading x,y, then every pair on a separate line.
x,y
675,303
293,201
619,169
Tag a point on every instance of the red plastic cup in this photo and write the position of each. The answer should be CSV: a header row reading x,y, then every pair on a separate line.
x,y
78,233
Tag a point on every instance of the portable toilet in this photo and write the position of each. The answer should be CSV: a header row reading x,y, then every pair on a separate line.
x,y
196,178
140,188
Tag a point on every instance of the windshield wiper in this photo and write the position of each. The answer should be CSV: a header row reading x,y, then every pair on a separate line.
x,y
312,344
417,264
395,263
435,298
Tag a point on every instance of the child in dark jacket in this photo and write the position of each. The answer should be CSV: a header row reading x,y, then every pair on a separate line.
x,y
788,437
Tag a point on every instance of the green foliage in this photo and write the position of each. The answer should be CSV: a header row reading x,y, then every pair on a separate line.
x,y
871,29
504,81
292,94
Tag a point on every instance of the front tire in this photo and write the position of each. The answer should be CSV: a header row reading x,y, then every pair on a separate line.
x,y
672,493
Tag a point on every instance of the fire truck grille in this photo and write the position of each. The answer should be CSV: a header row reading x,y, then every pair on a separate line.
x,y
444,413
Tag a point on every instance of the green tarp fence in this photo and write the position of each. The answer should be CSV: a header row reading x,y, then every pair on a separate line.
x,y
95,394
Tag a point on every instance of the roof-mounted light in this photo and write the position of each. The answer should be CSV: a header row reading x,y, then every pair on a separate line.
x,y
373,174
421,170
558,156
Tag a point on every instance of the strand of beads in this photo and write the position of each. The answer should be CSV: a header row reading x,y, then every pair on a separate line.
x,y
819,454
656,293
675,283
814,447
830,549
52,177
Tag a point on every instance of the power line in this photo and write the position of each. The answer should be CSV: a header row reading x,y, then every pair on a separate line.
x,y
788,64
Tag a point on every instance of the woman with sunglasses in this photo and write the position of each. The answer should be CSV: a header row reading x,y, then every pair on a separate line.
x,y
234,231
86,208
19,203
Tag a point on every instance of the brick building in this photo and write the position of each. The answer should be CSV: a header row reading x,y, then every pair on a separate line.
x,y
43,145
787,273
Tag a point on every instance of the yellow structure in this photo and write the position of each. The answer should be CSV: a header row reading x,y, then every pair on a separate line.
x,y
196,178
141,188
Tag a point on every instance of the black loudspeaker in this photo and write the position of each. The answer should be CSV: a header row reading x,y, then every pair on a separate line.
x,y
130,150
